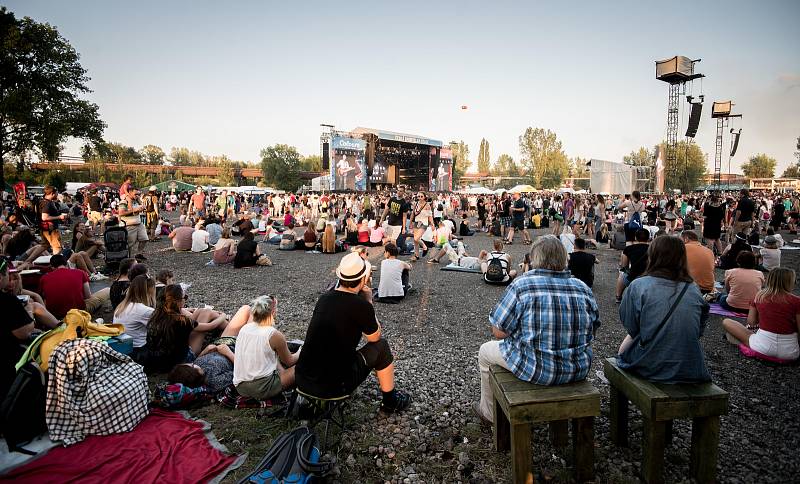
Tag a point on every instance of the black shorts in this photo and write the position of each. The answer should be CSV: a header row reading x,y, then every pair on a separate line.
x,y
518,224
371,356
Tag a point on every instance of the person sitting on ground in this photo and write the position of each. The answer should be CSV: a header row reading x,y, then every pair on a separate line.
x,y
225,249
330,364
310,237
363,232
664,315
742,284
394,284
248,254
351,230
33,301
164,278
463,227
773,322
535,345
23,247
200,238
778,238
182,237
263,366
567,238
731,253
617,238
136,309
700,260
64,289
581,263
83,241
214,230
497,268
289,238
633,261
18,325
770,254
117,291
120,285
376,236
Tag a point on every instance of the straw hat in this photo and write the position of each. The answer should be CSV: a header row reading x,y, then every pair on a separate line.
x,y
352,267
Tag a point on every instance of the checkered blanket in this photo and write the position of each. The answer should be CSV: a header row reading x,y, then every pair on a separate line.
x,y
93,390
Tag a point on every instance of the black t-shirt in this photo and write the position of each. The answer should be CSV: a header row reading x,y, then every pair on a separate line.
x,y
245,253
117,292
14,317
168,345
397,207
581,265
505,208
746,207
329,351
50,208
519,214
637,258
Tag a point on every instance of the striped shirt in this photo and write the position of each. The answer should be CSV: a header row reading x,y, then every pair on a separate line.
x,y
550,319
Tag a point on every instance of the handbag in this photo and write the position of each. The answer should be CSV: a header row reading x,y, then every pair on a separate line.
x,y
669,313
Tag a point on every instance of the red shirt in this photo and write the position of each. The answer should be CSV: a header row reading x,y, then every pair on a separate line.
x,y
199,201
779,317
62,290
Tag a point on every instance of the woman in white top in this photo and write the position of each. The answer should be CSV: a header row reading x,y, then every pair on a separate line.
x,y
262,354
136,308
200,238
423,218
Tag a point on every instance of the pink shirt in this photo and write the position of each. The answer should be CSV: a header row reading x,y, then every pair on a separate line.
x,y
376,236
744,284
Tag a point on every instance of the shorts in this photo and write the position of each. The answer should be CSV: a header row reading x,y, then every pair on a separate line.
x,y
52,240
261,388
393,232
518,224
505,221
136,233
783,346
95,217
421,225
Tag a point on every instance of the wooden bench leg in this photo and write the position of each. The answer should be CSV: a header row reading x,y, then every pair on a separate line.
x,y
501,427
559,435
705,449
653,451
521,453
668,433
619,418
583,448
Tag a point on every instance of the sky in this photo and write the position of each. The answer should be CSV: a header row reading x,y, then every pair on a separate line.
x,y
234,77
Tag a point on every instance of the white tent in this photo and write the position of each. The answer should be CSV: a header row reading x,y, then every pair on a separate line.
x,y
522,189
479,191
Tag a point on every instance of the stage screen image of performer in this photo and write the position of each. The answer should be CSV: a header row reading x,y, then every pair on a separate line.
x,y
348,172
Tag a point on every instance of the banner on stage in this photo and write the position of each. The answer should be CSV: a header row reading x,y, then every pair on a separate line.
x,y
348,170
440,176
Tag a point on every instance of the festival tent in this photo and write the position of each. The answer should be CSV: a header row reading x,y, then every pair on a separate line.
x,y
174,185
479,191
566,190
522,189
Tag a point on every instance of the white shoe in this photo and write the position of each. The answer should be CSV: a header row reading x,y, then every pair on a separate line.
x,y
98,277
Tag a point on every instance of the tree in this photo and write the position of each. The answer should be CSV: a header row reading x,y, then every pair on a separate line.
x,y
505,166
311,163
483,157
641,157
578,169
690,166
186,157
460,160
281,167
41,80
226,174
759,166
793,171
124,155
152,155
543,158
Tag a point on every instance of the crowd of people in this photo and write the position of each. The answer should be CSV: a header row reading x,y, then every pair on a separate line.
x,y
543,324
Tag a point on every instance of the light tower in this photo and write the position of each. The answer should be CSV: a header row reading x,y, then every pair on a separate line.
x,y
676,71
721,110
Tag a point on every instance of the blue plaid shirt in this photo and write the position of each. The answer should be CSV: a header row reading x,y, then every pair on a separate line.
x,y
550,319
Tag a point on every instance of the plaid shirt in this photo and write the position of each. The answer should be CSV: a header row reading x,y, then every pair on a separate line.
x,y
550,319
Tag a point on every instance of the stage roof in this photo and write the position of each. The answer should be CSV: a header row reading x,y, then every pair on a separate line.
x,y
402,137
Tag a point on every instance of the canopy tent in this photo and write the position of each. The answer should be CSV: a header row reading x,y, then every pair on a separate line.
x,y
566,190
522,189
97,185
174,185
479,191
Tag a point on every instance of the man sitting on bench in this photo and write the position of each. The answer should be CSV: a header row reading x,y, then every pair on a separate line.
x,y
330,366
544,323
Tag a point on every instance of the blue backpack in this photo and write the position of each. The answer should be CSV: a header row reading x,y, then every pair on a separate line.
x,y
635,223
293,458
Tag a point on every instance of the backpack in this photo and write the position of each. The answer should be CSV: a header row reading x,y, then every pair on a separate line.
x,y
292,458
635,223
22,413
495,271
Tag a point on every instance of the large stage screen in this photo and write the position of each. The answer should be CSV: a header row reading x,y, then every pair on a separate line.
x,y
348,170
440,175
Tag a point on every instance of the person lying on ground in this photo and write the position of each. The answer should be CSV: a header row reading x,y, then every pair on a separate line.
x,y
23,247
182,236
742,284
394,283
773,322
263,366
540,346
63,289
665,316
331,364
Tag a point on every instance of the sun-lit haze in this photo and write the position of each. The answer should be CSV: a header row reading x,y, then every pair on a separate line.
x,y
234,77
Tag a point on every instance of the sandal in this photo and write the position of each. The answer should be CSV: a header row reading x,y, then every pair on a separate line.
x,y
414,258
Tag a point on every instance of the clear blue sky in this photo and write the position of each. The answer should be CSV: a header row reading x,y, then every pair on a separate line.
x,y
234,77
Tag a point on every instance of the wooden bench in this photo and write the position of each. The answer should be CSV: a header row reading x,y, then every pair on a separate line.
x,y
518,404
660,404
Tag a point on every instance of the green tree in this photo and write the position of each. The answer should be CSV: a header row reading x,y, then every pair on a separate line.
x,y
793,171
484,163
641,157
226,173
578,169
41,81
460,160
119,153
186,157
505,166
311,163
281,167
759,166
690,167
152,155
543,158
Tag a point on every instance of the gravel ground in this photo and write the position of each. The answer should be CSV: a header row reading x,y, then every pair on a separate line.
x,y
435,335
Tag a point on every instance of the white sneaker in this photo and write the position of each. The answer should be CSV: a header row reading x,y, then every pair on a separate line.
x,y
98,277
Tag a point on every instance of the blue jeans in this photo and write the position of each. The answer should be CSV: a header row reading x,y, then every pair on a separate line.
x,y
723,302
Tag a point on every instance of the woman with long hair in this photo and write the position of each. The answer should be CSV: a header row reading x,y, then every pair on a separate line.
x,y
225,248
171,335
136,309
422,219
664,314
773,322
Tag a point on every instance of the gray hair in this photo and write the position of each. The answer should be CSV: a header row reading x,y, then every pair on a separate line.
x,y
263,308
548,253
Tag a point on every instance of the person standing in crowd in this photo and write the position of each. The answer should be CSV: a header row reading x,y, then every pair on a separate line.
x,y
197,203
51,218
95,209
550,347
634,209
699,262
665,316
422,219
330,364
713,212
395,215
744,214
151,212
518,209
129,214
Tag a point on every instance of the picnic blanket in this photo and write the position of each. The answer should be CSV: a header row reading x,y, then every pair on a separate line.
x,y
715,308
167,447
458,268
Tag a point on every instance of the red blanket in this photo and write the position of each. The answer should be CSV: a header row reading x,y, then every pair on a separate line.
x,y
166,447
